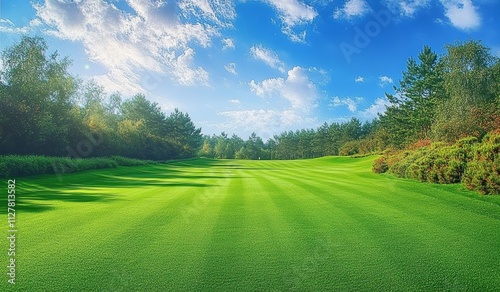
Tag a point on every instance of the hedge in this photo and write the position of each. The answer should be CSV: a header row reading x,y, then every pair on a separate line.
x,y
474,163
16,166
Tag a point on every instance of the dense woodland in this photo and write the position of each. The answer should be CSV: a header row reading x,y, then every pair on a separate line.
x,y
440,102
46,111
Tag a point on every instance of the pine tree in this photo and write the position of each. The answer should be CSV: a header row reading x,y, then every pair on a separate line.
x,y
412,109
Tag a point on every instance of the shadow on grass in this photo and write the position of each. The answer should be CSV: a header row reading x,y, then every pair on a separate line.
x,y
34,193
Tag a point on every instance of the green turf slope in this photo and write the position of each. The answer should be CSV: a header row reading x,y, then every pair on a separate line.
x,y
323,224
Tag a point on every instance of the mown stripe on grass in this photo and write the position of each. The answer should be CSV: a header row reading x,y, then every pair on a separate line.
x,y
212,225
375,211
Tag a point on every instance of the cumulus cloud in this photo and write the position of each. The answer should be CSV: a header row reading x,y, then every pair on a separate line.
x,y
153,36
228,44
379,106
266,122
299,95
297,88
235,101
351,103
352,8
407,8
384,80
7,26
462,14
359,79
293,14
231,68
267,56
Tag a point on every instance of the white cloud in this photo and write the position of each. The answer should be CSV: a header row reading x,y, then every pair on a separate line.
x,y
351,103
379,106
293,13
235,101
299,95
269,57
228,44
184,72
384,80
359,79
407,8
462,13
7,26
216,11
266,122
231,68
297,89
154,37
410,7
352,8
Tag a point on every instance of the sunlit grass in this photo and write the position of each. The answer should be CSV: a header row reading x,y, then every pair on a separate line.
x,y
323,224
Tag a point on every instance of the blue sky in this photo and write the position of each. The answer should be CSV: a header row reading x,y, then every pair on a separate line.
x,y
247,65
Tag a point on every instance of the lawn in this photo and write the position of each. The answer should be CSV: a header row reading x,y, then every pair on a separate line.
x,y
322,224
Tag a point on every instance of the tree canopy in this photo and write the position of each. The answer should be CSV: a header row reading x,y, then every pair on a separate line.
x,y
45,110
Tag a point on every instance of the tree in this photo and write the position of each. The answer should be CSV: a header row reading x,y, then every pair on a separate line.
x,y
139,108
254,146
471,84
206,149
36,100
411,112
181,129
222,146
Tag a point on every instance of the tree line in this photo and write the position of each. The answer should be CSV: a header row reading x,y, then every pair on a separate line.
x,y
439,99
44,110
345,138
445,98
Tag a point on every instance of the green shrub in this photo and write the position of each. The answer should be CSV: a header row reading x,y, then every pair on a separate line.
x,y
467,142
380,165
483,176
349,148
124,161
17,166
492,138
475,164
483,171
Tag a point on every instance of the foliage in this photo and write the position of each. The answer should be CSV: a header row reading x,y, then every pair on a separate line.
x,y
483,172
446,98
470,83
474,163
333,139
46,111
412,109
380,165
27,165
36,100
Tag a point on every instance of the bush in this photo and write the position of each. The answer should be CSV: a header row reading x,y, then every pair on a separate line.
x,y
349,148
17,166
483,172
124,161
483,176
475,164
420,144
380,165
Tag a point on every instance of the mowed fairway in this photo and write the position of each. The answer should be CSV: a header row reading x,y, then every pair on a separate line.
x,y
323,224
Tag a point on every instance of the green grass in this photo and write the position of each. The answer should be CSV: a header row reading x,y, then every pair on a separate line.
x,y
323,224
